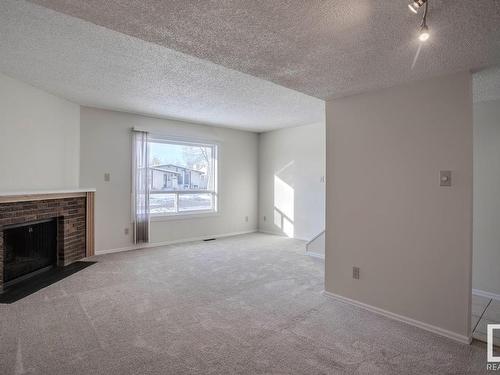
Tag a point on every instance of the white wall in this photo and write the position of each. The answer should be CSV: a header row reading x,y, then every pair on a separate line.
x,y
386,212
486,270
39,139
291,189
106,147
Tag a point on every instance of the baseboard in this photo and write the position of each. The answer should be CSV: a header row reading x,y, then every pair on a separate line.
x,y
166,243
482,293
281,235
416,323
311,254
301,239
314,255
270,232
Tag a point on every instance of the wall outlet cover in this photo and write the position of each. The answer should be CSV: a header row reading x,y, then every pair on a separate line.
x,y
355,273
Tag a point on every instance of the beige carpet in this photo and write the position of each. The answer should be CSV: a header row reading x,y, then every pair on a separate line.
x,y
249,304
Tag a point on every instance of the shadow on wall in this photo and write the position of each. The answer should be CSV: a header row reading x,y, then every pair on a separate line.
x,y
284,199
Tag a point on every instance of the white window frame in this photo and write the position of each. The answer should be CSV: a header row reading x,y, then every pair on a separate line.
x,y
215,197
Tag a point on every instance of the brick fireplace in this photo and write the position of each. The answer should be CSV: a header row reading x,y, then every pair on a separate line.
x,y
73,212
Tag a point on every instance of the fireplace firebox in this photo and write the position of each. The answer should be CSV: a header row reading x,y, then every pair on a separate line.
x,y
43,229
29,248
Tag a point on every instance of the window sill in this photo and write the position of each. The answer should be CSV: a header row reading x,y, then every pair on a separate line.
x,y
184,216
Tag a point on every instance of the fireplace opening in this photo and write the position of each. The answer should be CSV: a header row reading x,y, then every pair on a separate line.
x,y
29,249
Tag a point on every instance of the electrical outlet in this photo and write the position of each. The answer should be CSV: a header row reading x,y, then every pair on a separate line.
x,y
264,218
126,231
355,273
322,179
107,177
246,219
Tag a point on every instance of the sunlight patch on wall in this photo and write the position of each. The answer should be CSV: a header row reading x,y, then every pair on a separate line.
x,y
288,228
284,196
278,218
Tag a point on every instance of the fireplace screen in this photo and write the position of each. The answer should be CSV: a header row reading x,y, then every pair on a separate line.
x,y
29,247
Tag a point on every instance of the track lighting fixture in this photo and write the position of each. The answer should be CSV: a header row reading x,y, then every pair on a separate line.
x,y
416,5
424,33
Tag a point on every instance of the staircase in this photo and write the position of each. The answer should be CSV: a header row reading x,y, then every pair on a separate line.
x,y
316,246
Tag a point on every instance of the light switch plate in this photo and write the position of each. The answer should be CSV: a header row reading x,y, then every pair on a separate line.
x,y
107,177
445,178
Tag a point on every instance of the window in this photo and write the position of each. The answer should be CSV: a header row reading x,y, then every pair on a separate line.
x,y
182,177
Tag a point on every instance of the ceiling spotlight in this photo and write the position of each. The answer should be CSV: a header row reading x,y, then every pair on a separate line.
x,y
416,5
424,33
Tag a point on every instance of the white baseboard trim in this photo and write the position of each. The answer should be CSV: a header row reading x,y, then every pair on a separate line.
x,y
314,255
416,323
166,243
281,235
269,232
482,293
301,239
309,253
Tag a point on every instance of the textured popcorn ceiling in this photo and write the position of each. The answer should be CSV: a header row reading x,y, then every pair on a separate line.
x,y
96,66
487,85
325,48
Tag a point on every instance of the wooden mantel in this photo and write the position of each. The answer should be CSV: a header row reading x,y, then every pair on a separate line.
x,y
39,195
43,195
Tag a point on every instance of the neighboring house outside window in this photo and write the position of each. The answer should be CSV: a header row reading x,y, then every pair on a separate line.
x,y
182,177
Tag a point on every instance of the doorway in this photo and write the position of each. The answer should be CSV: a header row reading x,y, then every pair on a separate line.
x,y
486,222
